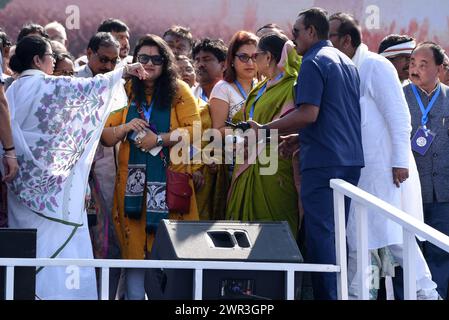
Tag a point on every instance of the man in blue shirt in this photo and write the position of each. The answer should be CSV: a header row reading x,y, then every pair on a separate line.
x,y
328,117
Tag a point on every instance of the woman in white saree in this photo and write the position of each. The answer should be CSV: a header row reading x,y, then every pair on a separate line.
x,y
56,124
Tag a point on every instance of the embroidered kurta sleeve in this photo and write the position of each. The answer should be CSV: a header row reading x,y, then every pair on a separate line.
x,y
387,92
186,109
115,119
57,122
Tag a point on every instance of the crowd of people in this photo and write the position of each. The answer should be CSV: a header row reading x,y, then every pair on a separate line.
x,y
89,145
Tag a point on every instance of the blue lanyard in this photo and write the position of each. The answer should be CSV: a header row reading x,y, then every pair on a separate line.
x,y
147,112
242,91
425,111
259,94
203,96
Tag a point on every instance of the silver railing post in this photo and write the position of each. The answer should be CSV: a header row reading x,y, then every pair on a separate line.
x,y
409,265
198,284
290,284
9,283
363,271
105,283
340,245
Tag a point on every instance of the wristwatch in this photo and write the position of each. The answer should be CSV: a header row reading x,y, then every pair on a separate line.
x,y
159,141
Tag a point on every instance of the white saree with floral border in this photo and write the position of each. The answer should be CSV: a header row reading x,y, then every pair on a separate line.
x,y
57,124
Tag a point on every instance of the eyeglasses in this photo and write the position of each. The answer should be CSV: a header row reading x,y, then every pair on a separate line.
x,y
245,57
104,59
155,60
53,55
68,73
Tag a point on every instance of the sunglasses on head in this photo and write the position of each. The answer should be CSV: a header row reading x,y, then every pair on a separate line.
x,y
245,57
155,60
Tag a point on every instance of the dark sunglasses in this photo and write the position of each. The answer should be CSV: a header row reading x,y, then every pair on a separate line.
x,y
105,60
245,57
155,60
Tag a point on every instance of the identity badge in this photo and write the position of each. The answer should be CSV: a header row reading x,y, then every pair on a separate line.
x,y
422,140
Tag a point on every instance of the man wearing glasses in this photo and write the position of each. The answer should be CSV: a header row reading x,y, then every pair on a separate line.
x,y
180,40
102,55
120,32
327,116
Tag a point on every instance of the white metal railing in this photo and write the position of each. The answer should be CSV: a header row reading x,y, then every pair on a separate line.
x,y
410,225
198,266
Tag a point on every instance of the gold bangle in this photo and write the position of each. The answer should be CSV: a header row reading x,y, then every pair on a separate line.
x,y
10,157
114,131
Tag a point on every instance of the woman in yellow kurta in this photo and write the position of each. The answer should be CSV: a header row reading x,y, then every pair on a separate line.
x,y
139,198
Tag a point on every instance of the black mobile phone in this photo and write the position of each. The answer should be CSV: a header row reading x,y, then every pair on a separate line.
x,y
231,124
240,125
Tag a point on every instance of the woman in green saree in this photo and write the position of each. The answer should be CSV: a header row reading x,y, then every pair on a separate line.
x,y
252,196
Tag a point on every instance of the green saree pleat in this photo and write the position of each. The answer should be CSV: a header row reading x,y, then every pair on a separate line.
x,y
256,197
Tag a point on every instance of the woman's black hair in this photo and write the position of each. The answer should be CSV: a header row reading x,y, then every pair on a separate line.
x,y
165,86
273,43
26,50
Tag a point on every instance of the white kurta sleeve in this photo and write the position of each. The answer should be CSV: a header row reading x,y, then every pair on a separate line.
x,y
389,97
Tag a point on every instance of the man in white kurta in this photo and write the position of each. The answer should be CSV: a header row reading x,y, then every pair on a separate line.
x,y
386,129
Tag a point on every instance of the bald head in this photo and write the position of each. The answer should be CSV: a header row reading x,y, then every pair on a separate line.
x,y
56,32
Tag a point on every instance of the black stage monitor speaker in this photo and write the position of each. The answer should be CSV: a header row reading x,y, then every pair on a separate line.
x,y
221,240
19,243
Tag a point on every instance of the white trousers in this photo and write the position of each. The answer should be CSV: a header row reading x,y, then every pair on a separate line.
x,y
423,276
